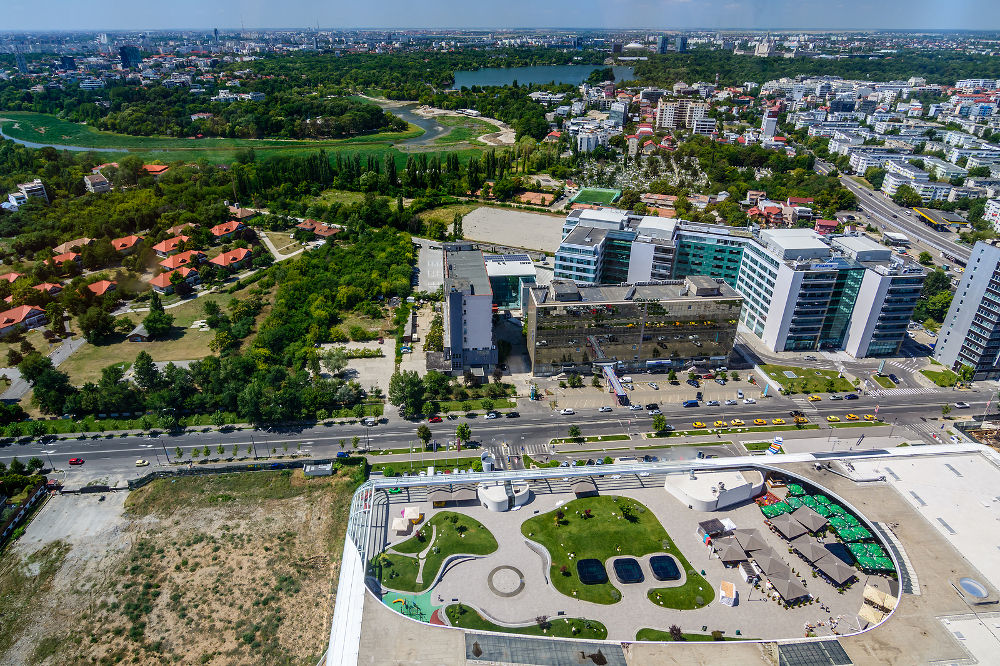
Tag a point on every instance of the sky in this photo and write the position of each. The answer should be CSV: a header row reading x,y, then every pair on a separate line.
x,y
654,15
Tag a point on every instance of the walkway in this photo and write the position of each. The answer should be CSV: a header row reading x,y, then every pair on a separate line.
x,y
19,386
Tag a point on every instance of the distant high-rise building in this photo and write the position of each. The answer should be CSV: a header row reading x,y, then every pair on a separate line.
x,y
131,56
681,44
22,65
216,33
616,47
661,44
68,63
769,124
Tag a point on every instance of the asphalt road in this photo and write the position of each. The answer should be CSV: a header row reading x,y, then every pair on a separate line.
x,y
884,211
116,456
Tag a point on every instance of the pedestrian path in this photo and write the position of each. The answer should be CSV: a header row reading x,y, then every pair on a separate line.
x,y
901,391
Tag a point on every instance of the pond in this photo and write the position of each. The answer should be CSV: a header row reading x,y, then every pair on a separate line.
x,y
499,76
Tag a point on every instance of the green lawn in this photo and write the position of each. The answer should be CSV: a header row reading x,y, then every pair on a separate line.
x,y
808,380
856,424
456,533
862,181
664,636
465,617
604,535
464,129
943,377
446,406
884,382
591,438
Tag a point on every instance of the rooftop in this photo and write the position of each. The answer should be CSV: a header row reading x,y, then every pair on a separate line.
x,y
795,243
465,269
693,288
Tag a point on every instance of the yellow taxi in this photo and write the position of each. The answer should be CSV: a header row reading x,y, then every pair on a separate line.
x,y
737,422
698,424
833,419
760,421
869,417
851,417
721,424
801,419
778,421
814,398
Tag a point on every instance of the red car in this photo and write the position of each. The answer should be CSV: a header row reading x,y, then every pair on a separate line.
x,y
76,461
434,419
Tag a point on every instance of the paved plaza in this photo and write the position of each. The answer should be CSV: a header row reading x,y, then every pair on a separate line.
x,y
467,580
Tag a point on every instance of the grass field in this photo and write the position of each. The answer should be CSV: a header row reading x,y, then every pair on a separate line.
x,y
884,382
943,377
463,616
664,636
464,129
862,181
597,195
808,380
617,526
446,214
455,533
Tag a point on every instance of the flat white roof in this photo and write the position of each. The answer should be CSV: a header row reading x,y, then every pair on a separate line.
x,y
959,495
790,241
700,487
503,265
658,227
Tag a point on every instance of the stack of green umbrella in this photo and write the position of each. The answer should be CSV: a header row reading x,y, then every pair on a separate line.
x,y
795,489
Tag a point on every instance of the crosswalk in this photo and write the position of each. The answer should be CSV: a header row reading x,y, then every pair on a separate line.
x,y
901,391
507,456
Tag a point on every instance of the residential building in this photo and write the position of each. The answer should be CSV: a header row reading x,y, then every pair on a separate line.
x,y
167,247
992,213
189,258
102,287
126,244
163,283
704,126
26,316
232,260
227,230
769,124
677,113
510,277
468,311
970,333
34,189
74,244
671,324
60,259
589,139
96,183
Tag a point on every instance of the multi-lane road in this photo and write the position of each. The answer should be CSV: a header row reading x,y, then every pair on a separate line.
x,y
886,213
115,456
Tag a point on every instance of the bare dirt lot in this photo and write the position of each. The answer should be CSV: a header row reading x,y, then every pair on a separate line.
x,y
228,569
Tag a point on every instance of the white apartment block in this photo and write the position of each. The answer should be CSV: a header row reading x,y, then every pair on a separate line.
x,y
992,213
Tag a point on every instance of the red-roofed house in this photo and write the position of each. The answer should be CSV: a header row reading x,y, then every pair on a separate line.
x,y
10,277
799,201
241,213
552,137
28,316
825,226
320,229
97,169
176,231
168,247
101,287
226,230
163,283
61,259
233,259
155,170
126,244
50,288
189,258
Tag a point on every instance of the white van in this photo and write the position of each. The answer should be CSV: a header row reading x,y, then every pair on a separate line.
x,y
627,380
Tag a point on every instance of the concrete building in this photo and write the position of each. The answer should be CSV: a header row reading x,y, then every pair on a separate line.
x,y
970,333
709,249
634,327
673,114
468,310
804,294
96,183
593,255
34,189
510,276
769,124
992,213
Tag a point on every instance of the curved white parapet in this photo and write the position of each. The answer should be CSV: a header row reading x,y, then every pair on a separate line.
x,y
345,634
711,490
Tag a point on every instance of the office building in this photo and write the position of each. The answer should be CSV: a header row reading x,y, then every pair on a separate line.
x,y
681,44
468,311
662,44
651,257
594,255
510,276
616,114
804,294
130,56
970,333
664,325
714,250
68,63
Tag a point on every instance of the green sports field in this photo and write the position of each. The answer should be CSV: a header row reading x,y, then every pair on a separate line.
x,y
597,196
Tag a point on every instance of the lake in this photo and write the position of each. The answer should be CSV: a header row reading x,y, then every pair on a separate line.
x,y
496,76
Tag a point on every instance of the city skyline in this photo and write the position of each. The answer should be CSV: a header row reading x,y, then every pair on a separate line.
x,y
976,15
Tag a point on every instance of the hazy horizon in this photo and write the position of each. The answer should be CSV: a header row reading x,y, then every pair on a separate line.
x,y
650,15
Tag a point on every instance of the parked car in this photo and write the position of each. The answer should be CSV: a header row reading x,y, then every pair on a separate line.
x,y
698,396
720,381
713,403
635,408
739,394
492,415
731,402
370,421
690,403
654,386
343,454
693,382
654,412
851,396
893,378
749,401
605,409
435,419
512,415
834,396
566,411
76,461
652,405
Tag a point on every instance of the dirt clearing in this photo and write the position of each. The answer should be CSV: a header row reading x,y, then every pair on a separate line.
x,y
235,568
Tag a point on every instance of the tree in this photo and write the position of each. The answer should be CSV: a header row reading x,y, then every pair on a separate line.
x,y
945,410
675,633
35,464
925,258
735,376
574,380
463,433
147,376
16,466
574,432
158,323
54,313
456,226
424,434
659,423
96,324
907,196
672,375
486,404
596,381
13,357
335,360
966,373
406,390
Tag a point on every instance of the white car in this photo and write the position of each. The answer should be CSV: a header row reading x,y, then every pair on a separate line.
x,y
749,401
635,408
566,411
604,409
654,386
961,405
730,402
654,412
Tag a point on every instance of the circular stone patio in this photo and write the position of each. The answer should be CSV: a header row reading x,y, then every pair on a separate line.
x,y
505,581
